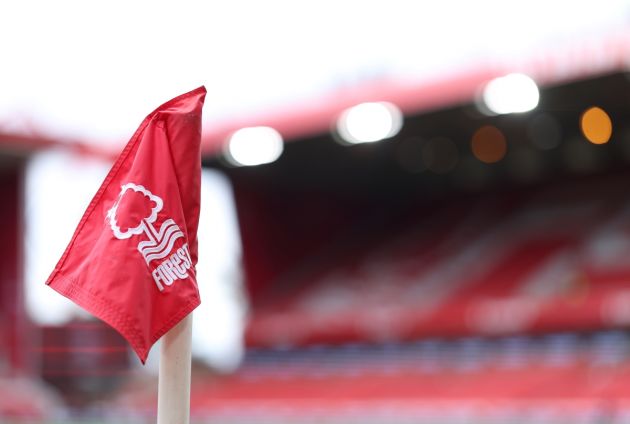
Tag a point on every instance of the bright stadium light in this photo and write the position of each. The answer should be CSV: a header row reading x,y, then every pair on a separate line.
x,y
596,125
254,146
513,93
369,122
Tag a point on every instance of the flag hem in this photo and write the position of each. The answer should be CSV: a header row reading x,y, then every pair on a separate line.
x,y
116,317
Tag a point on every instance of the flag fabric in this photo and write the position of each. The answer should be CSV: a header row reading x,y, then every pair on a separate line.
x,y
131,261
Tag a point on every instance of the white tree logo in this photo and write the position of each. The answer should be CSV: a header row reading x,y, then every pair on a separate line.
x,y
141,208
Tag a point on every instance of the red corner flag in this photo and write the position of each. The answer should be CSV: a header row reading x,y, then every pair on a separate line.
x,y
131,261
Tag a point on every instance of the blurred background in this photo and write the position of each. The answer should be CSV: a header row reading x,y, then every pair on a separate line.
x,y
412,212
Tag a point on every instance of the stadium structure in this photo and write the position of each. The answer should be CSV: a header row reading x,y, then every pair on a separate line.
x,y
471,267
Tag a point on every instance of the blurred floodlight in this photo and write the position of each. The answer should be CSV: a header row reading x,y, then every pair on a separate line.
x,y
440,155
488,144
512,93
254,146
409,154
545,132
596,125
369,122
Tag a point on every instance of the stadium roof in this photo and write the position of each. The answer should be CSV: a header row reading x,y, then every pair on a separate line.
x,y
87,75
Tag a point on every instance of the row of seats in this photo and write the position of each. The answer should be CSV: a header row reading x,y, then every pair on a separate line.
x,y
547,259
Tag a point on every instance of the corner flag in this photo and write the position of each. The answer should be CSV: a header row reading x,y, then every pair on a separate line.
x,y
131,261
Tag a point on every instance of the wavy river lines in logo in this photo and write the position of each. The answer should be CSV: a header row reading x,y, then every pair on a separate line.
x,y
165,252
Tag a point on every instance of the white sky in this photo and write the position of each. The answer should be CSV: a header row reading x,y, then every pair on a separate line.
x,y
93,70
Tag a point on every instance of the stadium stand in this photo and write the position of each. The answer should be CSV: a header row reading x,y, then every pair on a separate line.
x,y
506,307
539,260
384,295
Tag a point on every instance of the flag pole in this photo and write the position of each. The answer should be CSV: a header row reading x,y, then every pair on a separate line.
x,y
174,374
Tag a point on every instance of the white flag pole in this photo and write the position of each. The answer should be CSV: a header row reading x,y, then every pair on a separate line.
x,y
174,374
